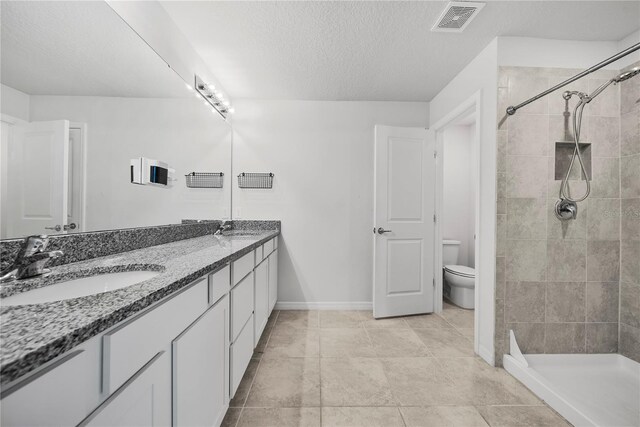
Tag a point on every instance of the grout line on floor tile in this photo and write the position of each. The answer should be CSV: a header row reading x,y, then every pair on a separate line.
x,y
401,416
239,416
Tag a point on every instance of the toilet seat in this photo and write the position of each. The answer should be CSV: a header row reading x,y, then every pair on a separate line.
x,y
460,270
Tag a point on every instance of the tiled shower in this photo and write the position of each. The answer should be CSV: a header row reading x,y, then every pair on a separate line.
x,y
568,286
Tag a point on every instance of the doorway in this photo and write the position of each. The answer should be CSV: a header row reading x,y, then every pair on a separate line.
x,y
457,207
42,169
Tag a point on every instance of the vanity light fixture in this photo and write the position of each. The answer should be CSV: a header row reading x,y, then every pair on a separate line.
x,y
212,97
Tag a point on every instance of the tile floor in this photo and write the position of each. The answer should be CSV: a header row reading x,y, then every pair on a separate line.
x,y
344,368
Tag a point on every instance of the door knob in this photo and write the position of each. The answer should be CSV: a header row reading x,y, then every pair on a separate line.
x,y
56,228
382,231
71,226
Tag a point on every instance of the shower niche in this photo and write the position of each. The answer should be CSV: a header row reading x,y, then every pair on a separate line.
x,y
563,153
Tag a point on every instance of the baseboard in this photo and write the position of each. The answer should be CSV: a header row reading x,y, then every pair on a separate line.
x,y
356,305
487,354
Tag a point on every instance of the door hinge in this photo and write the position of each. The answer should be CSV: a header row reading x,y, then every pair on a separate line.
x,y
435,154
434,217
434,282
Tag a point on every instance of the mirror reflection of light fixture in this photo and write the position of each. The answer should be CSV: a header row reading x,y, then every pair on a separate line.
x,y
212,97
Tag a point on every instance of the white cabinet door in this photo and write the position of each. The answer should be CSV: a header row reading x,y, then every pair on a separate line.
x,y
242,305
273,280
241,351
261,299
143,400
200,369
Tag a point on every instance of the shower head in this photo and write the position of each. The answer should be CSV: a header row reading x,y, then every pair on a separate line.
x,y
627,75
617,79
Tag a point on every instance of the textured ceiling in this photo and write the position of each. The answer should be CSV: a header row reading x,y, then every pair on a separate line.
x,y
370,50
79,48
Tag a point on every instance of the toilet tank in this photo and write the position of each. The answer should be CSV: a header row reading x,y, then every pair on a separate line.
x,y
450,249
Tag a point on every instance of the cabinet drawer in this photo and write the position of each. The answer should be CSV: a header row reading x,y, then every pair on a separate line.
x,y
242,266
269,247
129,346
61,393
241,351
219,284
241,305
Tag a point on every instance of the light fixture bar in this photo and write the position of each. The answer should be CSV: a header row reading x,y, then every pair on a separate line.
x,y
212,96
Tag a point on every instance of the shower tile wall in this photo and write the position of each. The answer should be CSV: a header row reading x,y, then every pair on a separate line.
x,y
557,282
630,218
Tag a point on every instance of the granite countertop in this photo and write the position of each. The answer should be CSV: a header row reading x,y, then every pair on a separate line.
x,y
31,335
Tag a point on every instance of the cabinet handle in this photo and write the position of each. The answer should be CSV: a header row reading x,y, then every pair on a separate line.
x,y
6,391
122,388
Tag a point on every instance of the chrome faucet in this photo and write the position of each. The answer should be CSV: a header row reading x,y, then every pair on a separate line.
x,y
31,260
224,226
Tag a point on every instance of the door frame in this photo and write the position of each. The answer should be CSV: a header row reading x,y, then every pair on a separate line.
x,y
83,165
470,106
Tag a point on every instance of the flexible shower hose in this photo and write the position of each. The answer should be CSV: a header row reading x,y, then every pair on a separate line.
x,y
577,124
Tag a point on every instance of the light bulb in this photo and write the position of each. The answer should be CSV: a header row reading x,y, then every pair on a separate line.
x,y
226,103
231,110
211,87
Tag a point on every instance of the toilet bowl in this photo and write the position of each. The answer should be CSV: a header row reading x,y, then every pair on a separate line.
x,y
459,280
459,285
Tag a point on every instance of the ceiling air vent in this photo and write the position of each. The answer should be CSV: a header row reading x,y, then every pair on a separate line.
x,y
456,16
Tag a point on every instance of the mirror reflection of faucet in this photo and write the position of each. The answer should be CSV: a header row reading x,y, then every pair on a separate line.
x,y
224,226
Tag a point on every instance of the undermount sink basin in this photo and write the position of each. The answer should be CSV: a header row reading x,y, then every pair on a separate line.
x,y
77,288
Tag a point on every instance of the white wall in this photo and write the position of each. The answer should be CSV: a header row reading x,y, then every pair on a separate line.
x,y
322,156
625,43
179,131
479,77
532,52
14,103
458,219
154,25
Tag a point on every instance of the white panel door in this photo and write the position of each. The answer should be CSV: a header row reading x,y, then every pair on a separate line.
x,y
38,178
404,228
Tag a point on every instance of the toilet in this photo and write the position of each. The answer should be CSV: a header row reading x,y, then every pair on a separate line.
x,y
459,280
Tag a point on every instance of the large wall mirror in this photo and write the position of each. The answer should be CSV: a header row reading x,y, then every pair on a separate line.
x,y
82,95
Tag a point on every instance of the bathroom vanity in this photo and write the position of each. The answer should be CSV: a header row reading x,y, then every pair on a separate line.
x,y
170,350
